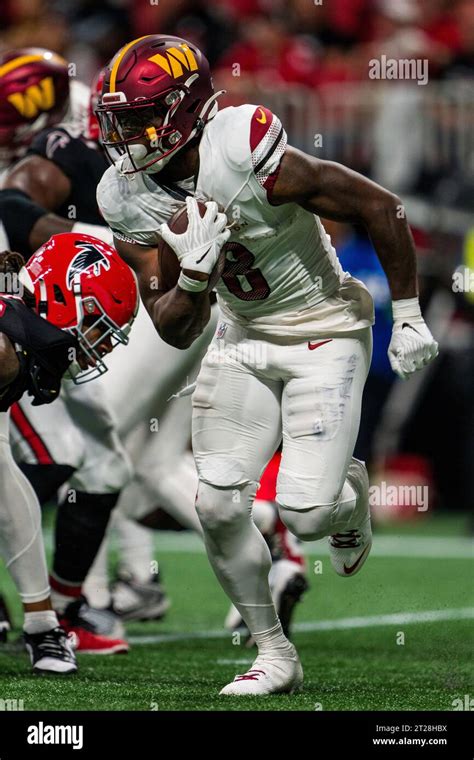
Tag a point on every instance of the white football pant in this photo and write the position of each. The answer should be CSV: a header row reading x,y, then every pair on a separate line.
x,y
21,540
252,393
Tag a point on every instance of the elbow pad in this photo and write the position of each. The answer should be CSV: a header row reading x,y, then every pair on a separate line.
x,y
19,214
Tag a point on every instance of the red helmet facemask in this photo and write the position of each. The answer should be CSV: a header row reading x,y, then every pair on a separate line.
x,y
157,95
34,94
80,284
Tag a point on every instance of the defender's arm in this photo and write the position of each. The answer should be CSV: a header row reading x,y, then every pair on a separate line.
x,y
41,188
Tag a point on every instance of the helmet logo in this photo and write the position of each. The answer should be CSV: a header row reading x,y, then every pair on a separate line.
x,y
38,97
90,259
176,60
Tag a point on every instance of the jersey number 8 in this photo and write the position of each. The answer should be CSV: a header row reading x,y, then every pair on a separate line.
x,y
241,267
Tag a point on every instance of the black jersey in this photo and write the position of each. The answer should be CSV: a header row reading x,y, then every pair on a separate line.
x,y
43,350
82,162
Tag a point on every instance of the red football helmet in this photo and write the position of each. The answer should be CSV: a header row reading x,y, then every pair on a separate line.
x,y
34,94
157,95
92,131
80,283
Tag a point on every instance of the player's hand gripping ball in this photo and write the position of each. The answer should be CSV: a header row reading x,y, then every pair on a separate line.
x,y
193,240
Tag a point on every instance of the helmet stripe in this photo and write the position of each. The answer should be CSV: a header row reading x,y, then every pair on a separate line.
x,y
119,58
15,63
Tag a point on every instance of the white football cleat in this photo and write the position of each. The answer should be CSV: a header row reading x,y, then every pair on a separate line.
x,y
349,549
271,673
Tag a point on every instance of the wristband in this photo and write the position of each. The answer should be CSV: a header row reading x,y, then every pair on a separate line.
x,y
406,308
191,285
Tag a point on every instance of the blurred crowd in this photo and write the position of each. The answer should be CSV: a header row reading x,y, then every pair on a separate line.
x,y
308,42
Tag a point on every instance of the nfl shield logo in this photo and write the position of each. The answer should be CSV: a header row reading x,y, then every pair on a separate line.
x,y
221,330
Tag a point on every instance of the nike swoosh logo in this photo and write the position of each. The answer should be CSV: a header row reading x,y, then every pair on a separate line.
x,y
312,346
204,255
405,324
263,119
349,570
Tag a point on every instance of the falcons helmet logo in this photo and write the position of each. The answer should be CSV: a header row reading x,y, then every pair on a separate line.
x,y
90,259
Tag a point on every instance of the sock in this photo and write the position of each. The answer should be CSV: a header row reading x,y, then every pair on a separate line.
x,y
41,621
80,529
136,551
46,478
240,558
271,640
63,593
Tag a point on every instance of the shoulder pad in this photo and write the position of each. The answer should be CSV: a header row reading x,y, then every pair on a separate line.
x,y
249,138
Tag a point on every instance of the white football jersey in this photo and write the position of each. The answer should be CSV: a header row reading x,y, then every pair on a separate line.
x,y
282,274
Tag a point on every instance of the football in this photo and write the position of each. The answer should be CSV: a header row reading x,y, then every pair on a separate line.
x,y
168,261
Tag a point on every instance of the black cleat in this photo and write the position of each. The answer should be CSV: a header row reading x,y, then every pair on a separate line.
x,y
51,652
5,622
132,600
290,596
99,622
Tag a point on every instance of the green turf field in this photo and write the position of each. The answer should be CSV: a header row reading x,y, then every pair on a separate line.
x,y
417,584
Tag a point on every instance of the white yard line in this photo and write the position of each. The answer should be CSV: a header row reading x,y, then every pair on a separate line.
x,y
434,547
338,624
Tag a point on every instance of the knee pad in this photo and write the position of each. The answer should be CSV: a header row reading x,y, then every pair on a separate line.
x,y
222,469
221,508
298,491
309,524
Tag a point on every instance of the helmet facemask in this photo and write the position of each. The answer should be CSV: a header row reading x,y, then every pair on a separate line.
x,y
94,327
149,121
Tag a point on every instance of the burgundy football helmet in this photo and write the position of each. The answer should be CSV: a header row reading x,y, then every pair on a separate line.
x,y
157,95
34,94
80,283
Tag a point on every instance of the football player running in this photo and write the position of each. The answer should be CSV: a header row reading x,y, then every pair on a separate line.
x,y
74,302
292,351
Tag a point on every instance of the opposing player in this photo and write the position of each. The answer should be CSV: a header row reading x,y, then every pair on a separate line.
x,y
52,190
291,354
76,300
42,121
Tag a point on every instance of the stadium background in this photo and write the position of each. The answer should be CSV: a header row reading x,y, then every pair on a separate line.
x,y
310,63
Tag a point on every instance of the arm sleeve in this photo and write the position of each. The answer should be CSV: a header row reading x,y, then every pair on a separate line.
x,y
19,214
59,147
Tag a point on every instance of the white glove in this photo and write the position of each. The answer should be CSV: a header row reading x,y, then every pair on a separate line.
x,y
199,247
412,346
